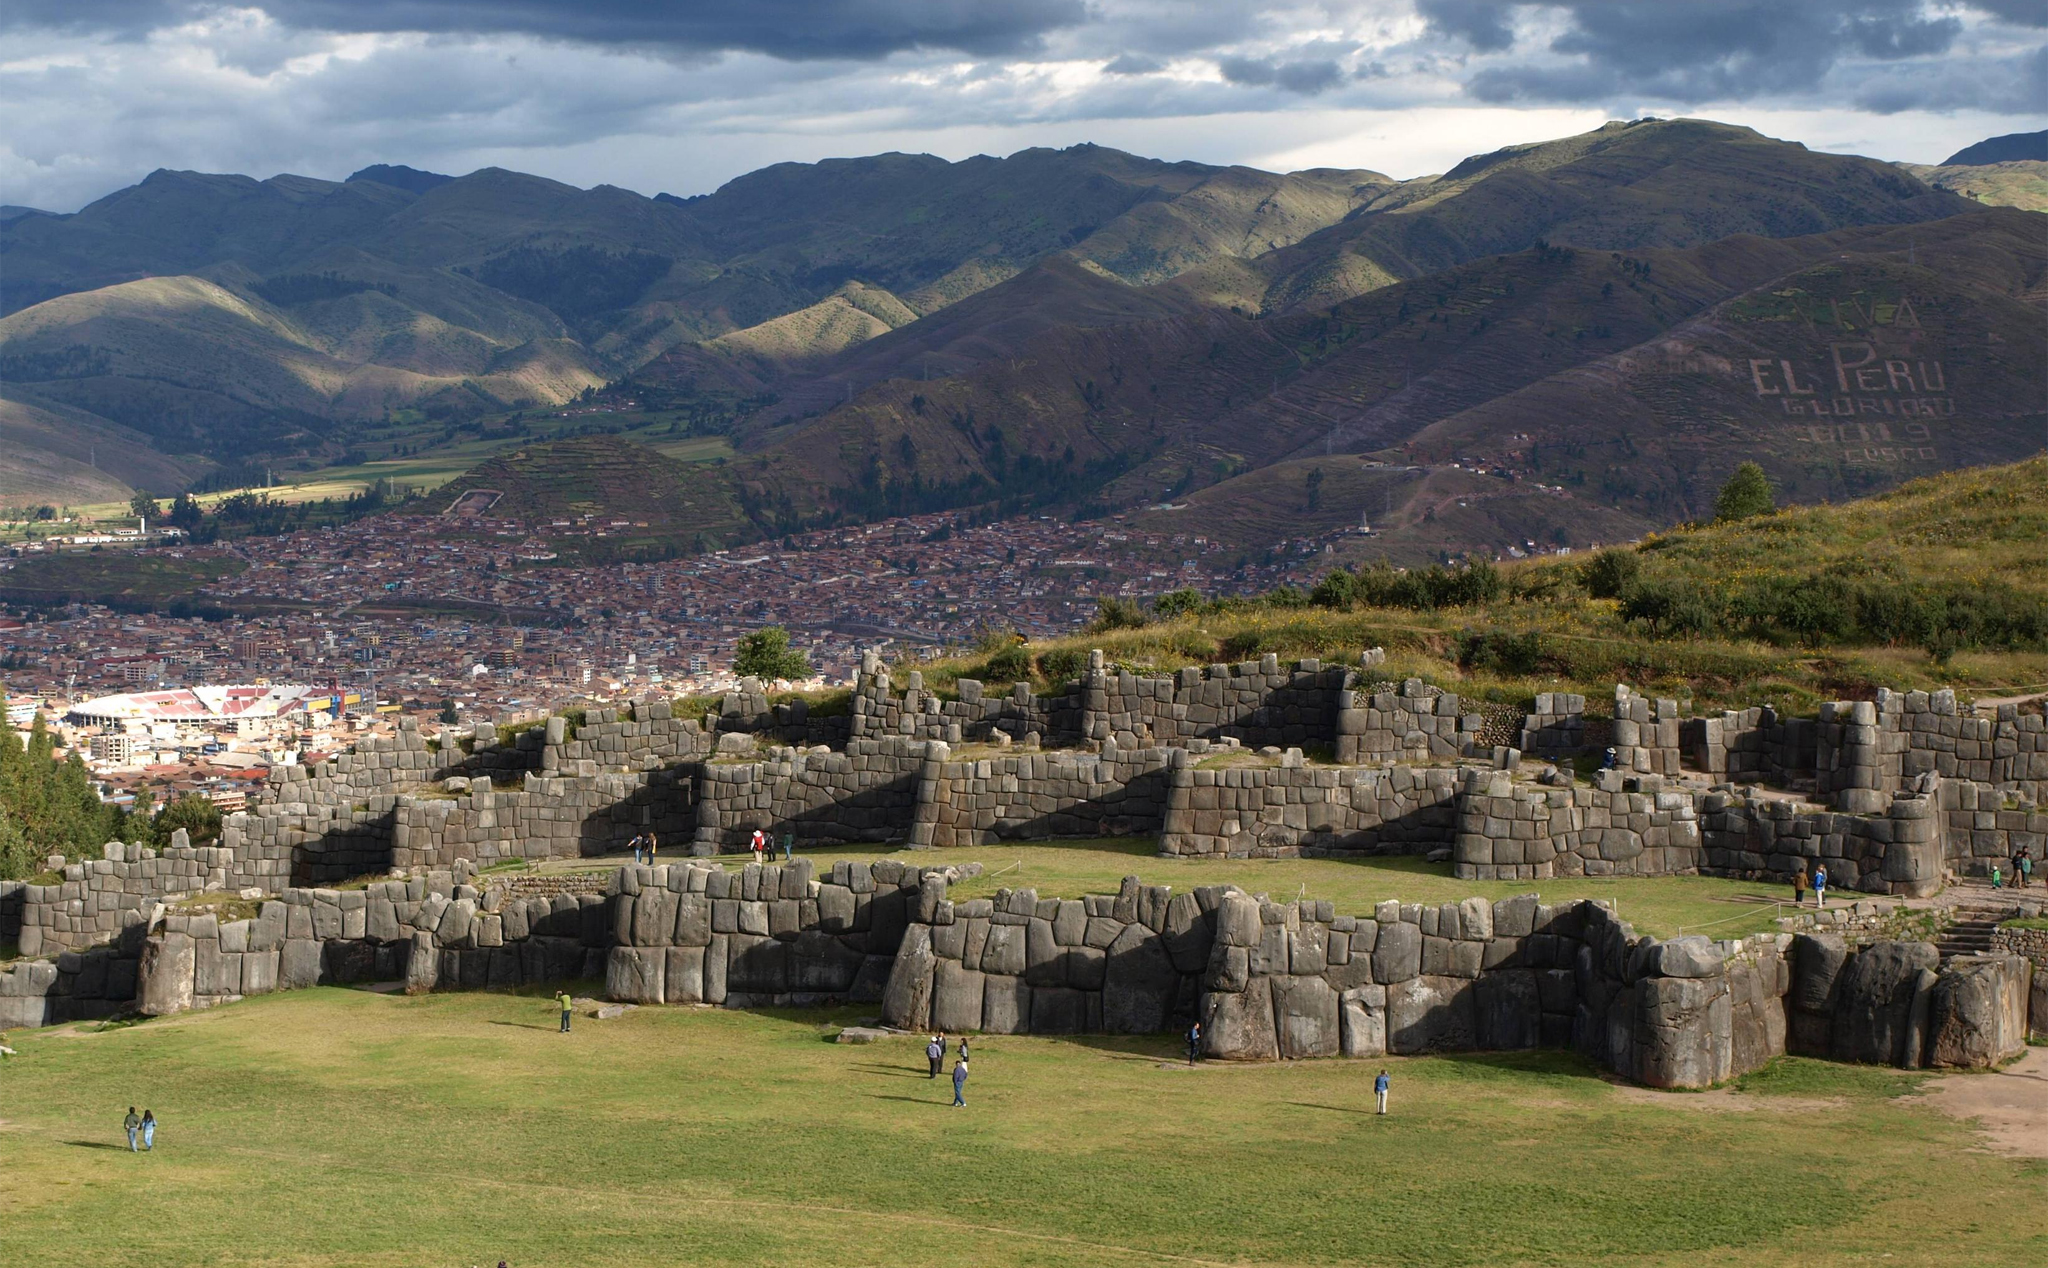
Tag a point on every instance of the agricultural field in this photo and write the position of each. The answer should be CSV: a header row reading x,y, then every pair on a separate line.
x,y
337,1126
111,576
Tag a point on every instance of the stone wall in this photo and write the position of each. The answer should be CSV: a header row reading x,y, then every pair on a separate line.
x,y
1895,1003
1029,796
764,935
1645,736
12,896
1986,826
99,898
1753,745
1294,808
866,793
1416,724
1621,826
1556,728
1899,851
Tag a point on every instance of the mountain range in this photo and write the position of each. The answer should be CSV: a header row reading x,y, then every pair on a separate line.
x,y
1613,319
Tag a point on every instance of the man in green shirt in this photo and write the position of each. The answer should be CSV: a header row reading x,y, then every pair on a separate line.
x,y
134,1124
566,1003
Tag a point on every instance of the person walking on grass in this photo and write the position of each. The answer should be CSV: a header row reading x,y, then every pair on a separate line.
x,y
567,1006
1194,1042
1820,886
148,1130
959,1083
760,845
133,1124
1379,1092
934,1053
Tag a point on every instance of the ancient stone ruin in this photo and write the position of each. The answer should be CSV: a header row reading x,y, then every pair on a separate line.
x,y
365,869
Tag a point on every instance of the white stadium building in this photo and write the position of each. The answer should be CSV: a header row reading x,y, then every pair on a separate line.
x,y
198,705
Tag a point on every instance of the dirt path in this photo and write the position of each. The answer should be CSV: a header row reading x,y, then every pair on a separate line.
x,y
2010,1106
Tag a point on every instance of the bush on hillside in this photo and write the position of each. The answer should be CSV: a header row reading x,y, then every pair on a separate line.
x,y
197,815
1746,495
1061,665
1116,614
1610,573
1178,603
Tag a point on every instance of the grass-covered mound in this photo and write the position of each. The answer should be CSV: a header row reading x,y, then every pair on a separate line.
x,y
1942,581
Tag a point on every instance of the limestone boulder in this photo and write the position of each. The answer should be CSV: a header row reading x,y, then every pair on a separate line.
x,y
1684,1032
1139,983
907,1000
1305,1018
634,975
422,964
1977,1016
1397,954
957,993
1005,1005
1431,1014
1874,1000
299,965
1508,1010
165,979
1238,1026
1363,1020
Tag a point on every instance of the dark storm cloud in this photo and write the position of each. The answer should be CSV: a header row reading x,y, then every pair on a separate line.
x,y
791,29
1481,23
1713,51
1308,76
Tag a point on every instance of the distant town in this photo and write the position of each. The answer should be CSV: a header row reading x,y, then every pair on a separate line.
x,y
358,624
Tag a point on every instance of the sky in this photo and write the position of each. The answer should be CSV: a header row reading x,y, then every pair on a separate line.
x,y
683,95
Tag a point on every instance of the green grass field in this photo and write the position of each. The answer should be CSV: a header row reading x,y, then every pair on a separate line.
x,y
1662,906
341,1127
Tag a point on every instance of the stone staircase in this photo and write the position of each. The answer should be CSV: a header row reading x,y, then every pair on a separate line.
x,y
1969,931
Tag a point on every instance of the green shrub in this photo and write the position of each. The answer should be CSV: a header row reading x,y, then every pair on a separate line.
x,y
1178,603
1061,665
1011,664
1747,495
1609,574
1116,614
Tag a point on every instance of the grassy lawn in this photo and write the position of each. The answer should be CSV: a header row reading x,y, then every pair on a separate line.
x,y
1659,905
339,1127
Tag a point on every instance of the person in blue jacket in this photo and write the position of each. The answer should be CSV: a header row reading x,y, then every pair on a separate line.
x,y
959,1082
1379,1092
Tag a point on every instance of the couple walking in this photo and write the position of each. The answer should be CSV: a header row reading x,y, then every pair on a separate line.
x,y
145,1127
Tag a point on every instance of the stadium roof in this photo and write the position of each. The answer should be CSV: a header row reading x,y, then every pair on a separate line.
x,y
193,704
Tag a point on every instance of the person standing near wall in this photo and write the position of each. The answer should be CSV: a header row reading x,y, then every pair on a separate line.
x,y
788,845
1799,885
959,1083
1194,1042
1379,1092
2022,867
653,847
934,1053
1820,886
133,1124
568,1005
759,845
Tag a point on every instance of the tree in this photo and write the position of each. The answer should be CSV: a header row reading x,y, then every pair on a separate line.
x,y
1746,495
1178,603
197,815
143,505
185,513
766,654
1609,574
